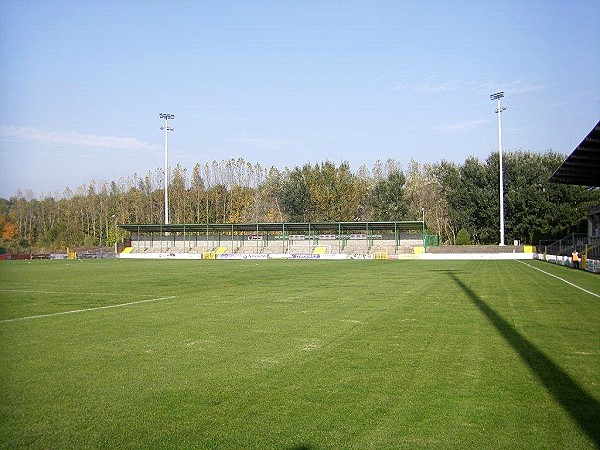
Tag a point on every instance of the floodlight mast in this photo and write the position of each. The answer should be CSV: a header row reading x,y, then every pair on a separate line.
x,y
497,96
165,127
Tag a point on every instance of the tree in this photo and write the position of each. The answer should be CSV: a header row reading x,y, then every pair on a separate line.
x,y
457,198
537,209
387,198
477,195
295,196
447,176
178,195
424,195
265,206
198,192
8,228
348,194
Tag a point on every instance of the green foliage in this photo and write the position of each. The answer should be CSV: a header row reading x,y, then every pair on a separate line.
x,y
533,208
295,201
272,354
463,237
388,200
453,197
321,193
5,206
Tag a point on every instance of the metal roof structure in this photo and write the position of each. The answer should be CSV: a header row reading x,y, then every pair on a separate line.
x,y
289,228
582,166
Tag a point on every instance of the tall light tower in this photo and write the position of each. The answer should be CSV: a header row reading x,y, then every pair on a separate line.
x,y
165,127
497,96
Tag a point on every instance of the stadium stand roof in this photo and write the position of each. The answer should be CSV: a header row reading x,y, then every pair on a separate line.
x,y
305,227
582,166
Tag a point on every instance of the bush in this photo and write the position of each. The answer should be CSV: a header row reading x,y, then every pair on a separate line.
x,y
463,237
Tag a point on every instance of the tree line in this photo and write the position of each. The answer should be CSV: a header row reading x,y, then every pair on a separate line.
x,y
460,202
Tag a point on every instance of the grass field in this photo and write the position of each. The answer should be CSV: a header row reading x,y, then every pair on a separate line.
x,y
298,355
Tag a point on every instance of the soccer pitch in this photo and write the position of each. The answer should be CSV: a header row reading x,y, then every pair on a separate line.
x,y
298,355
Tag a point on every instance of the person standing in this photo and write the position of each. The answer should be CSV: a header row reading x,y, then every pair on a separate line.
x,y
575,257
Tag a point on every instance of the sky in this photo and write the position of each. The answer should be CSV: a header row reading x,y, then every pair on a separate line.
x,y
284,83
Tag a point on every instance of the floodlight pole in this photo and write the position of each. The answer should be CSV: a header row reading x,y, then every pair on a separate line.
x,y
167,129
497,96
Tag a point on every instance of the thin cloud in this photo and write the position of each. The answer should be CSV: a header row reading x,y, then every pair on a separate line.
x,y
72,138
462,126
433,85
519,87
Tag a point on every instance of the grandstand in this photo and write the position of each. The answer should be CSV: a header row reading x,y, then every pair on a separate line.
x,y
581,168
330,238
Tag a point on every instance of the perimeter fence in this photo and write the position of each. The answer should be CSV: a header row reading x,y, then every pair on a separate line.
x,y
560,252
584,244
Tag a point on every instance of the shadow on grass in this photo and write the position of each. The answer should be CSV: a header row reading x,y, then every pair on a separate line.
x,y
452,271
581,406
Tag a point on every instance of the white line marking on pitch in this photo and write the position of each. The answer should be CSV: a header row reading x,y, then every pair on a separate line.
x,y
87,309
561,279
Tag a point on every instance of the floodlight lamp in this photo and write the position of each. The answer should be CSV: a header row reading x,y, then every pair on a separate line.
x,y
497,95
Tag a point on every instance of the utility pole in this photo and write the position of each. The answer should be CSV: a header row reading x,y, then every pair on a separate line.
x,y
497,96
165,127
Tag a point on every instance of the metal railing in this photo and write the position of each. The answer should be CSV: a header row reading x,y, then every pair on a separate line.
x,y
584,244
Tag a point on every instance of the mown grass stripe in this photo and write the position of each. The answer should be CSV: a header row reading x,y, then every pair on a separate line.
x,y
38,291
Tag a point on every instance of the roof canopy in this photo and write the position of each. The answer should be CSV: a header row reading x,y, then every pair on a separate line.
x,y
290,228
582,167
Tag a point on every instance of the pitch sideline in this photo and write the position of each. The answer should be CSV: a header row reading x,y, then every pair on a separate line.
x,y
561,279
87,309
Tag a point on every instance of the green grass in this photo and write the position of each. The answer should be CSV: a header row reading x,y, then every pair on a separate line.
x,y
298,354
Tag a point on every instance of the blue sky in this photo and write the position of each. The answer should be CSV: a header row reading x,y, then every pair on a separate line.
x,y
285,83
